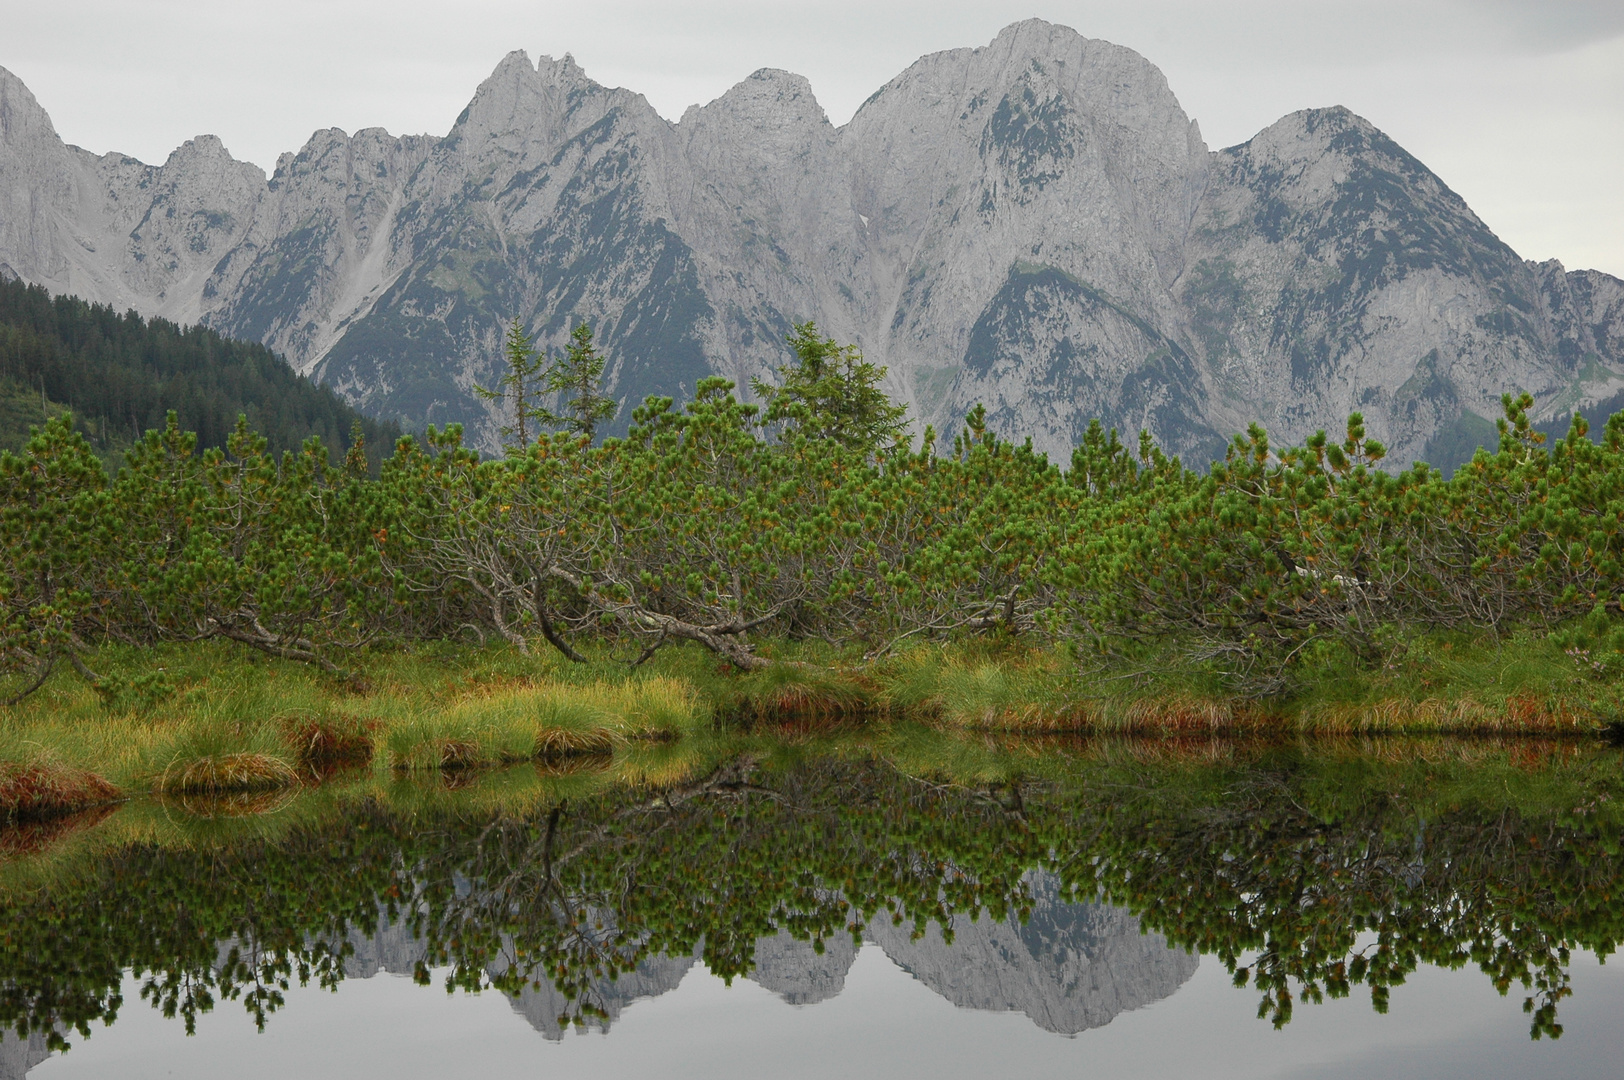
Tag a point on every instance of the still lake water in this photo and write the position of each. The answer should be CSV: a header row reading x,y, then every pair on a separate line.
x,y
922,909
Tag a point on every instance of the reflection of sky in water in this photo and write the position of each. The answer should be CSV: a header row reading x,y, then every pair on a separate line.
x,y
883,1023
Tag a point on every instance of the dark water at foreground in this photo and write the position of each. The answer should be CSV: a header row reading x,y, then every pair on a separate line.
x,y
1140,910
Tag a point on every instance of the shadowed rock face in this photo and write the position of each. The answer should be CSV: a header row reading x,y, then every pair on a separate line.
x,y
1035,225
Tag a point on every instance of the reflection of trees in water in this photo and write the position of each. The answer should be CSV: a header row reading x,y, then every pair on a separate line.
x,y
1296,885
1291,861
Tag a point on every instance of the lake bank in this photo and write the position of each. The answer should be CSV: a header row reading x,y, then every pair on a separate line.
x,y
207,719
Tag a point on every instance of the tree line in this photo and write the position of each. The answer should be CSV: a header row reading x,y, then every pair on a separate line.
x,y
120,375
813,516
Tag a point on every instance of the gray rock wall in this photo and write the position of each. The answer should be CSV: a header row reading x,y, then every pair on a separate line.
x,y
1035,225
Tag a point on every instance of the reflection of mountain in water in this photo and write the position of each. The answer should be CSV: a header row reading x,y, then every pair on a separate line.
x,y
392,948
543,1005
17,1056
1069,967
797,972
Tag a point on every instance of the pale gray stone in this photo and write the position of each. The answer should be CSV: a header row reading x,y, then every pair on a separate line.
x,y
1034,225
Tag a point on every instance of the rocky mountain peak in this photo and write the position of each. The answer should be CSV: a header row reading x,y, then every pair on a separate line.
x,y
769,99
24,123
208,155
1034,224
518,102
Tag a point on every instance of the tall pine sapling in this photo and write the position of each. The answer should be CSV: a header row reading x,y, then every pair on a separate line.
x,y
577,378
518,388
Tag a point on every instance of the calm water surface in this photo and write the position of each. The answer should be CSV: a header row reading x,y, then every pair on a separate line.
x,y
917,909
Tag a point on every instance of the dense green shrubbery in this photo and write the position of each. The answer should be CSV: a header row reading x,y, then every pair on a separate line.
x,y
714,524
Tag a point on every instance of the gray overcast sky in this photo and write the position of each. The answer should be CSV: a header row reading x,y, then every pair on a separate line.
x,y
1517,104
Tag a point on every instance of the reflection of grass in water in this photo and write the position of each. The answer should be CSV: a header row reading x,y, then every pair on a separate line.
x,y
1433,777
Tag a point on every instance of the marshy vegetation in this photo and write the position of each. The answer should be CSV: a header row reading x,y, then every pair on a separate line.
x,y
234,621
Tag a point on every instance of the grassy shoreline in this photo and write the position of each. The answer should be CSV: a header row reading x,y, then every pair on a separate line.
x,y
209,720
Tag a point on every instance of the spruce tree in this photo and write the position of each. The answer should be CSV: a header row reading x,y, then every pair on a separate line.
x,y
831,392
577,379
518,387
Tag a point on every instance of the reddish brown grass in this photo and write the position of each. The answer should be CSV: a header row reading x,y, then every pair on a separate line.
x,y
46,789
331,743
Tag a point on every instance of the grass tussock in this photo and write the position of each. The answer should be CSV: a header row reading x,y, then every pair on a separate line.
x,y
562,743
798,694
1180,715
1519,714
1013,691
325,744
43,788
544,722
227,774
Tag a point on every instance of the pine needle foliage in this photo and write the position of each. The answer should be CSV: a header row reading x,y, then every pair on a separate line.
x,y
731,527
830,392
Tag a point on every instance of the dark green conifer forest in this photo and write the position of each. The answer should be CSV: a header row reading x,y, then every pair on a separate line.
x,y
122,374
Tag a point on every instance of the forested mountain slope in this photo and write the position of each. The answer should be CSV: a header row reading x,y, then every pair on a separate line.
x,y
120,375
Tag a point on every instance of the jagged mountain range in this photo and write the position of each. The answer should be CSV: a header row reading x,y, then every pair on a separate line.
x,y
1035,225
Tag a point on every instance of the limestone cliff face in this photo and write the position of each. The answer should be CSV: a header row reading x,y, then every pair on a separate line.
x,y
1329,271
1035,225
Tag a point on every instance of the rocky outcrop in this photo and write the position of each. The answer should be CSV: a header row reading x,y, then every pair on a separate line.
x,y
1035,225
